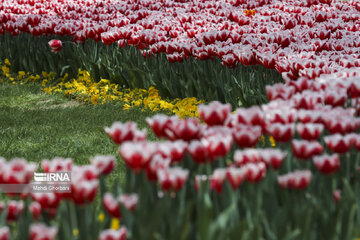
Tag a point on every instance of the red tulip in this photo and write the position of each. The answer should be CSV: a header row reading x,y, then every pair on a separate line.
x,y
303,149
250,116
104,164
217,179
4,233
186,129
246,136
198,151
111,234
279,91
111,205
310,131
172,178
254,172
338,143
14,209
299,179
273,157
327,164
157,162
214,113
235,176
159,123
217,145
17,171
281,132
57,165
174,150
122,132
247,156
55,45
40,231
129,201
47,200
137,155
341,124
35,209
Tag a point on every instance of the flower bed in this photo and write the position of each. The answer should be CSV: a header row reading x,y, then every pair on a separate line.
x,y
214,180
85,89
211,179
311,37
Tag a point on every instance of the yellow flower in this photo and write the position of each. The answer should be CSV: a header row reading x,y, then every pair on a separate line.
x,y
75,232
7,62
115,224
44,74
5,70
126,107
101,217
272,141
94,99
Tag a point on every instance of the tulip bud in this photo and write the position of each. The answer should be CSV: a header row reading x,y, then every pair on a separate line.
x,y
55,45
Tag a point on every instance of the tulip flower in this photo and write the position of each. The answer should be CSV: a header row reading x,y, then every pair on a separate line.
x,y
217,179
137,155
235,176
327,164
310,131
306,149
174,150
121,133
338,143
47,200
14,209
172,178
281,132
17,171
57,165
111,205
35,209
159,123
246,136
214,113
251,116
129,201
4,233
40,231
104,164
55,45
299,179
111,234
198,151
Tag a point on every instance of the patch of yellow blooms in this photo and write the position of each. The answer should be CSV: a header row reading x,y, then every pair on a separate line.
x,y
85,89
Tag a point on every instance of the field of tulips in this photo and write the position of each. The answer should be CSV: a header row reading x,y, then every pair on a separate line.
x,y
218,175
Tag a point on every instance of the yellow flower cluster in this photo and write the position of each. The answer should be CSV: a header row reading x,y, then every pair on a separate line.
x,y
85,89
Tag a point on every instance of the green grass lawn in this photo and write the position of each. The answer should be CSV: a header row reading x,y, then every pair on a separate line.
x,y
36,126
